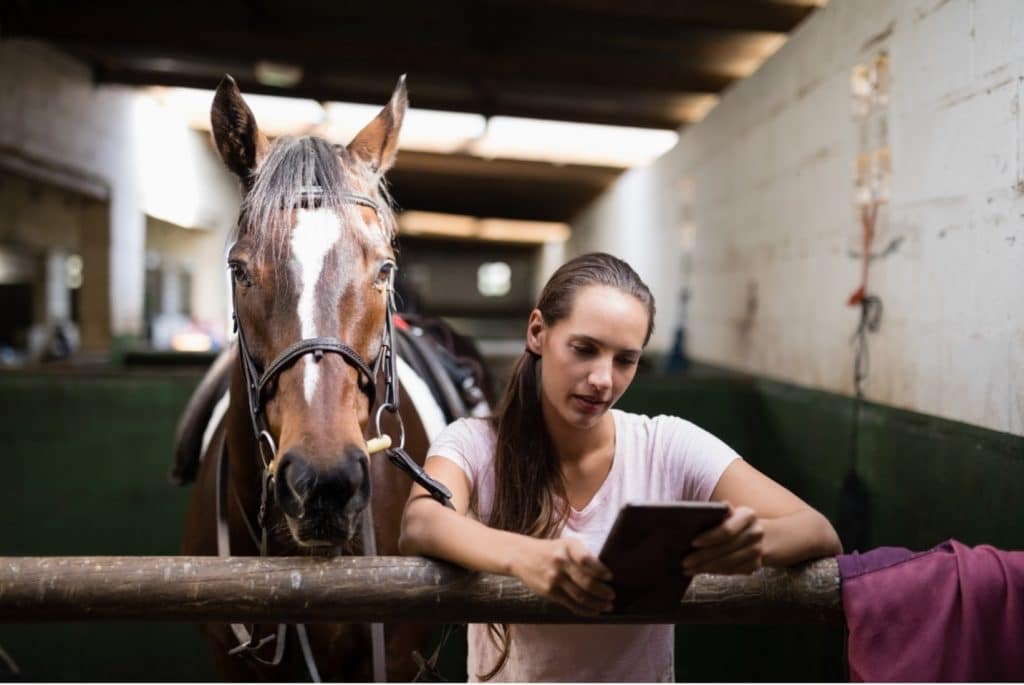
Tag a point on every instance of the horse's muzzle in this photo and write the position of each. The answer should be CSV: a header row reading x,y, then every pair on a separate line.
x,y
322,503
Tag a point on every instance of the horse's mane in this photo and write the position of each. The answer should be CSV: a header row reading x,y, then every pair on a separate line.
x,y
295,166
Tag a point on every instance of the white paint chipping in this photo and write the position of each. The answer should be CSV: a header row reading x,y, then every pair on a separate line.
x,y
296,579
315,233
416,390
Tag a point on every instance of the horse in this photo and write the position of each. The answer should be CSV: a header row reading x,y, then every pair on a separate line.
x,y
283,465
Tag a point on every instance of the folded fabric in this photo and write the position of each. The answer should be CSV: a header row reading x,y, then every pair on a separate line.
x,y
953,613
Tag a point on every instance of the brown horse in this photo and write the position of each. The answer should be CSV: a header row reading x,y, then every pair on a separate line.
x,y
285,467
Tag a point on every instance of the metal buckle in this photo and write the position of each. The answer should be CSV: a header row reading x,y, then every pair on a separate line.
x,y
265,439
398,417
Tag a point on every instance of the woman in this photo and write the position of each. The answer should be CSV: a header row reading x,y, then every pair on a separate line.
x,y
545,479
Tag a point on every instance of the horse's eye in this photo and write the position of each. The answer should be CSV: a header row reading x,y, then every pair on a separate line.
x,y
384,274
240,274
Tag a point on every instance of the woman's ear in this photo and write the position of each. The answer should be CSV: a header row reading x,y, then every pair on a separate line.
x,y
535,330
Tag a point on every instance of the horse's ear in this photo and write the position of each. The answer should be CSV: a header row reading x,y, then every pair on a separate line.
x,y
377,143
238,138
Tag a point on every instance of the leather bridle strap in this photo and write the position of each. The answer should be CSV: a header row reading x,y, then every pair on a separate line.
x,y
247,642
318,346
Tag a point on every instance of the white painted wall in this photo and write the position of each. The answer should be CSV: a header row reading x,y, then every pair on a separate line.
x,y
150,161
771,170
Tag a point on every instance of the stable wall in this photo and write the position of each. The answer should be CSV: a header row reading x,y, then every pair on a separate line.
x,y
753,212
117,143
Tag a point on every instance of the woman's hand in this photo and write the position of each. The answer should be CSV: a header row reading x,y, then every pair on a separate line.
x,y
565,571
732,547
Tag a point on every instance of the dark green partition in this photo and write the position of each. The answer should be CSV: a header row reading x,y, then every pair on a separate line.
x,y
86,457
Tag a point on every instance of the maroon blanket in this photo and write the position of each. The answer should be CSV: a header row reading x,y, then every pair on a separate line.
x,y
953,613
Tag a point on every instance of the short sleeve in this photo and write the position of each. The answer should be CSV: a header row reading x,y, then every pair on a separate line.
x,y
469,444
694,458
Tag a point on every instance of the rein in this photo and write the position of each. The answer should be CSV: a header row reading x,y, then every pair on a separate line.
x,y
256,384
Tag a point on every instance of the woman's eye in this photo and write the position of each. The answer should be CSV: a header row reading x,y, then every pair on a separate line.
x,y
583,350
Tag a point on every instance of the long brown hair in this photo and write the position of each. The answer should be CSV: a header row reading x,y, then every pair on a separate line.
x,y
529,490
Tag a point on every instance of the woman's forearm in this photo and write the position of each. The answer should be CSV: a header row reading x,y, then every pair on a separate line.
x,y
430,529
798,537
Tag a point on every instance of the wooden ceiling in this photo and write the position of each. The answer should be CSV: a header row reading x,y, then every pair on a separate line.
x,y
647,63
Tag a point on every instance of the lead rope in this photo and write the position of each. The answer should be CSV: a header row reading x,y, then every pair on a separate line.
x,y
854,510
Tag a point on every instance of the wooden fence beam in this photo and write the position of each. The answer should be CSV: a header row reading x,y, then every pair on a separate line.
x,y
361,589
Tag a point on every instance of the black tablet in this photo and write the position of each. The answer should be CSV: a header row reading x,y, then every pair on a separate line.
x,y
646,546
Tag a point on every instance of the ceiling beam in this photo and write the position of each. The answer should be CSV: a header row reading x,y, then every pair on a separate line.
x,y
609,71
501,188
581,107
735,15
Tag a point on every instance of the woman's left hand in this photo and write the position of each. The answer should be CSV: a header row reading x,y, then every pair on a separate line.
x,y
732,547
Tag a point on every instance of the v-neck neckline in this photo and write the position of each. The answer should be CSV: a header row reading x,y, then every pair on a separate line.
x,y
602,491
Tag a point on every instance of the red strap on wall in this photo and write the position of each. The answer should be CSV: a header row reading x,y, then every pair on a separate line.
x,y
868,215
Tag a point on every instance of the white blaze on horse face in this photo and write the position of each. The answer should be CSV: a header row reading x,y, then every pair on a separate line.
x,y
315,233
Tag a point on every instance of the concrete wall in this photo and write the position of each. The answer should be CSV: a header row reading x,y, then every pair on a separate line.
x,y
200,254
122,143
764,190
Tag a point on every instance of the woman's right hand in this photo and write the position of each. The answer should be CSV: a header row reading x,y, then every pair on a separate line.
x,y
565,571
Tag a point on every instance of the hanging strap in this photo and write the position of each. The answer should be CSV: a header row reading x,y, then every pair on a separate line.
x,y
249,643
428,671
376,629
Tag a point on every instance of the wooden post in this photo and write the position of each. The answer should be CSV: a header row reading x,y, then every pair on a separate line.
x,y
364,589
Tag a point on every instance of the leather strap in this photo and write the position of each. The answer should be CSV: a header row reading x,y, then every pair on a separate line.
x,y
380,674
438,490
248,643
318,346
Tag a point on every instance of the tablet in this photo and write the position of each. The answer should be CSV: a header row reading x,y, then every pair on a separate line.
x,y
646,546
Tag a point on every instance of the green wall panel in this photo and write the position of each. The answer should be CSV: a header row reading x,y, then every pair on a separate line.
x,y
86,458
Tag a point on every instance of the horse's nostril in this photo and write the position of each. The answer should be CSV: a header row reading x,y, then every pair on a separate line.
x,y
292,483
313,494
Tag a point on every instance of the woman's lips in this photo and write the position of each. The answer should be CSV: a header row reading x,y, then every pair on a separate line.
x,y
590,405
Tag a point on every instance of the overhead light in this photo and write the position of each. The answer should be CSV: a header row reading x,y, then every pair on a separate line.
x,y
436,224
277,75
277,115
509,230
425,130
572,143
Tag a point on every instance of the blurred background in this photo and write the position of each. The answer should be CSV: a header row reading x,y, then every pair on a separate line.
x,y
753,160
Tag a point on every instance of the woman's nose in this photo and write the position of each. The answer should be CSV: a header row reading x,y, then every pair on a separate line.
x,y
601,374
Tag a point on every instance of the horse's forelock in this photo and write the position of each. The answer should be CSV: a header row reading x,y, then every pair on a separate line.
x,y
293,167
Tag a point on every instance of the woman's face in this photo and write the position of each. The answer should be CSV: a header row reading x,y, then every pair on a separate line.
x,y
589,358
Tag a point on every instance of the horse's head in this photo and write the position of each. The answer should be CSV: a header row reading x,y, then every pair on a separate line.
x,y
313,262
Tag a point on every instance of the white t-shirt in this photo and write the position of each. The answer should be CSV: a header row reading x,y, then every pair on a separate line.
x,y
664,458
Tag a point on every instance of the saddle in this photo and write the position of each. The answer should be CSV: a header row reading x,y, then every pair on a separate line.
x,y
456,382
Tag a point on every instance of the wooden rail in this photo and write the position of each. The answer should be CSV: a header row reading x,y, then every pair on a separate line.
x,y
363,589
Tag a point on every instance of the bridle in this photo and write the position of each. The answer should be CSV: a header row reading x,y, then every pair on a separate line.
x,y
256,385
